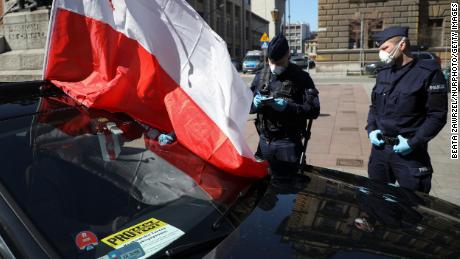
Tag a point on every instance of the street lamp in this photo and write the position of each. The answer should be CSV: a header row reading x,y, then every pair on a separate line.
x,y
276,17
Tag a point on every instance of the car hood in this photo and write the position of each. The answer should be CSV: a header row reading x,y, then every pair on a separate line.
x,y
314,215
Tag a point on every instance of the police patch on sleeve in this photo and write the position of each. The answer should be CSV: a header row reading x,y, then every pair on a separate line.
x,y
152,235
437,88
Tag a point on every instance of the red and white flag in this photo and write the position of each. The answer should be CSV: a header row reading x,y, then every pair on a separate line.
x,y
158,61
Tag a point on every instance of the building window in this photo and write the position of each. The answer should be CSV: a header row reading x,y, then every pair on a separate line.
x,y
237,31
371,26
435,32
237,12
229,29
230,48
219,26
229,9
354,40
374,26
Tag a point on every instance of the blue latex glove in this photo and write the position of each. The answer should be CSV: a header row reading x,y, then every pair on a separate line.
x,y
165,139
278,104
403,147
257,101
373,136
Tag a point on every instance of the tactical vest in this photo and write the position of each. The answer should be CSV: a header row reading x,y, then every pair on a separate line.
x,y
277,124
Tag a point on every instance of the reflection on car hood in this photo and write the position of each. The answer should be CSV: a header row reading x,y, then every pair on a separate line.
x,y
321,214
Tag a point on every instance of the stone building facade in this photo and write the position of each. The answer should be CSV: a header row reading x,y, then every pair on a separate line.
x,y
339,37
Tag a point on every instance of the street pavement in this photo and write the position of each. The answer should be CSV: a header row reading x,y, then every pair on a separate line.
x,y
339,140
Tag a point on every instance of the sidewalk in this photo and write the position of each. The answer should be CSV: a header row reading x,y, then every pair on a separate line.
x,y
340,141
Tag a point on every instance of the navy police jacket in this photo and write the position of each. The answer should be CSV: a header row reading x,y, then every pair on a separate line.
x,y
297,88
410,101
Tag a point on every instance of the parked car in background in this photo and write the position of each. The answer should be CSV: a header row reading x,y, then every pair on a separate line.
x,y
299,61
302,62
253,61
426,55
373,67
237,64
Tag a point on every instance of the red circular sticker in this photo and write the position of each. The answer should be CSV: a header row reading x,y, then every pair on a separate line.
x,y
86,240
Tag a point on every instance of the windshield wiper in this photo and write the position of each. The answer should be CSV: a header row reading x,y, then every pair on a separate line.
x,y
241,195
219,220
195,247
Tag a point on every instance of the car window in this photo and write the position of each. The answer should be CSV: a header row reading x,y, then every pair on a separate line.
x,y
422,55
252,58
90,189
425,56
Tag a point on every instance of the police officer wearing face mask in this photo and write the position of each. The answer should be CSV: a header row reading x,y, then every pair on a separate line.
x,y
409,108
284,98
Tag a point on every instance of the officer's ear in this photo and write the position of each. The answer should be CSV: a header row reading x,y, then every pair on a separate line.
x,y
404,44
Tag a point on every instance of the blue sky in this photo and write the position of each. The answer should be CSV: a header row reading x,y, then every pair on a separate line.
x,y
305,11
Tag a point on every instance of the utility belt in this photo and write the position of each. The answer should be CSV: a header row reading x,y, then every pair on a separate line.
x,y
281,134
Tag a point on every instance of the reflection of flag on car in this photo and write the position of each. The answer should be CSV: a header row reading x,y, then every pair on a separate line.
x,y
158,61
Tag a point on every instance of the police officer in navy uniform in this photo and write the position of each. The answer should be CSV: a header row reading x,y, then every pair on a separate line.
x,y
284,98
409,108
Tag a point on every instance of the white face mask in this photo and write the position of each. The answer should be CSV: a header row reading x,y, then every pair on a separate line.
x,y
389,58
277,70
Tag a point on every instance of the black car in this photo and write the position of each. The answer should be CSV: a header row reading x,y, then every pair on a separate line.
x,y
85,183
302,62
237,64
427,55
372,68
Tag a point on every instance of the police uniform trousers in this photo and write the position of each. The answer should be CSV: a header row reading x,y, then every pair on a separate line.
x,y
412,171
283,155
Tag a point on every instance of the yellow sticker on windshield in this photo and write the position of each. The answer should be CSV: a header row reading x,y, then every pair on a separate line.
x,y
152,234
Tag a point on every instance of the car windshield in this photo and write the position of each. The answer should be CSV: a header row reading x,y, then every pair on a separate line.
x,y
252,58
93,182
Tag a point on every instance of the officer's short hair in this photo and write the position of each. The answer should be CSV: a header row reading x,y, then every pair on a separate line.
x,y
397,39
